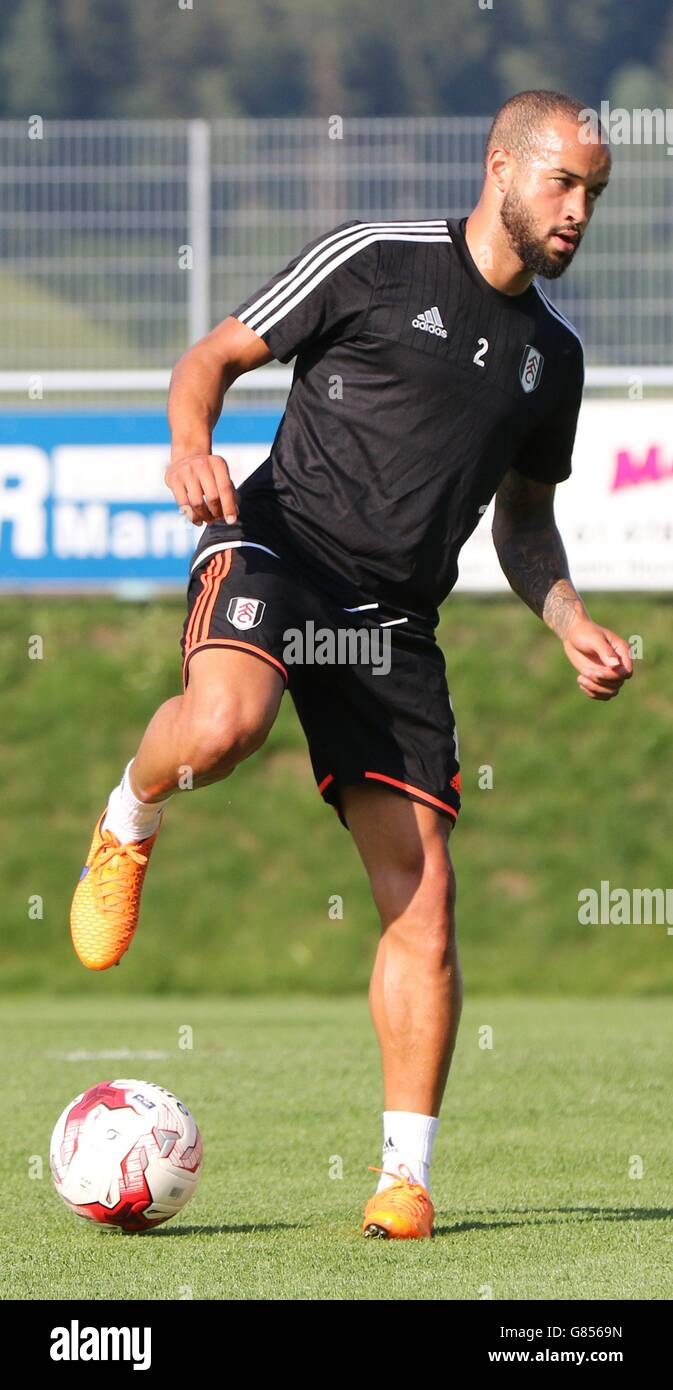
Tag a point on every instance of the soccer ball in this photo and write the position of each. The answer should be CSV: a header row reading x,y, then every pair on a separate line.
x,y
126,1153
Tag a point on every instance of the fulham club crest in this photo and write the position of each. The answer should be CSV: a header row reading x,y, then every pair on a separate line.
x,y
245,612
530,370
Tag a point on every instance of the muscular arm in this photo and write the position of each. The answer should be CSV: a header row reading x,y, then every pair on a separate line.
x,y
198,479
532,556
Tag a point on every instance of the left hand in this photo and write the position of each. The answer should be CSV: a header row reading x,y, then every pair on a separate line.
x,y
602,658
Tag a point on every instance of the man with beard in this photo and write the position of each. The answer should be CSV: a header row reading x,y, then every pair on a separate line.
x,y
432,373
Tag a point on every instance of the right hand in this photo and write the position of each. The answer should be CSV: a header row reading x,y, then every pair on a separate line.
x,y
202,488
601,656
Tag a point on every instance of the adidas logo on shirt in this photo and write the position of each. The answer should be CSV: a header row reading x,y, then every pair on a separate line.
x,y
430,321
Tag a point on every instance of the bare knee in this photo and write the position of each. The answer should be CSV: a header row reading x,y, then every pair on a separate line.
x,y
215,738
417,905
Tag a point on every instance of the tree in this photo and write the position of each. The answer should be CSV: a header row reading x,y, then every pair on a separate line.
x,y
32,63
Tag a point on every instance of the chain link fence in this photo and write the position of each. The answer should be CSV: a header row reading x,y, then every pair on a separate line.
x,y
124,241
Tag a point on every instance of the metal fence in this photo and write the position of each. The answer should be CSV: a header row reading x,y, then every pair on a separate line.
x,y
123,241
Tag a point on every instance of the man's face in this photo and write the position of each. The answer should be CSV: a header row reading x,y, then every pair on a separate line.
x,y
550,200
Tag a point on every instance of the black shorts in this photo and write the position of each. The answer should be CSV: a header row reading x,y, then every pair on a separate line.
x,y
370,690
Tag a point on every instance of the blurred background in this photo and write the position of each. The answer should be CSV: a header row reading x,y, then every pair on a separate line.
x,y
157,163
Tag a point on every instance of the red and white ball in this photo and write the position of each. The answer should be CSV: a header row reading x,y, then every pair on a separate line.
x,y
126,1153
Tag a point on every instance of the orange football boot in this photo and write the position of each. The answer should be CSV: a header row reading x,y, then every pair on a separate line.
x,y
106,905
401,1212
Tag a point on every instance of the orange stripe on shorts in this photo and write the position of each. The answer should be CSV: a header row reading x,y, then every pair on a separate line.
x,y
416,791
209,643
220,574
202,611
195,614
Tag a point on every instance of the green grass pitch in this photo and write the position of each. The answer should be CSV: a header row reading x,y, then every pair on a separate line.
x,y
534,1159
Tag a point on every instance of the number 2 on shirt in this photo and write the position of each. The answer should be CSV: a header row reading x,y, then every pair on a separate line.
x,y
480,354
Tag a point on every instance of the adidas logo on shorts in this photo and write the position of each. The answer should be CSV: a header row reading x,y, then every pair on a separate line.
x,y
430,321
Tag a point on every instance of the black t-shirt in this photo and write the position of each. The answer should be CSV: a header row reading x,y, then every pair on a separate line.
x,y
416,386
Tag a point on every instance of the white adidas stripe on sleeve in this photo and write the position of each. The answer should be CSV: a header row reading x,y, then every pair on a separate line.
x,y
327,245
326,257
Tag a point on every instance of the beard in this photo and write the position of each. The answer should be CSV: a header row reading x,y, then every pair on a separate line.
x,y
526,243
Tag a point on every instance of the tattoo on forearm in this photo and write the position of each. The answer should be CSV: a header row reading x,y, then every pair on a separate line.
x,y
562,605
533,559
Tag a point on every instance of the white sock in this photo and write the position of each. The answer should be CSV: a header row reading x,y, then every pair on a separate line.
x,y
408,1139
127,817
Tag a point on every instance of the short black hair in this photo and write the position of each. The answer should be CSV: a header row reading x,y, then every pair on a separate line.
x,y
517,123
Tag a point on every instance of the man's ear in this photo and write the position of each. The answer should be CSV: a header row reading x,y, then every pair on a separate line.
x,y
498,167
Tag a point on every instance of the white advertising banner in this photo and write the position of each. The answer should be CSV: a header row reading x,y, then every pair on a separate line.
x,y
83,499
615,512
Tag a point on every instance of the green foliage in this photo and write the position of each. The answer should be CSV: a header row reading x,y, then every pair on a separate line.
x,y
237,896
30,63
88,58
